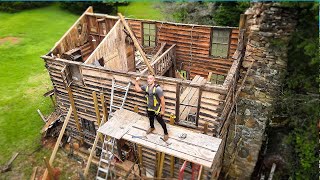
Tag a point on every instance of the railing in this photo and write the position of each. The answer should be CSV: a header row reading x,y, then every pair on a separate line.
x,y
163,63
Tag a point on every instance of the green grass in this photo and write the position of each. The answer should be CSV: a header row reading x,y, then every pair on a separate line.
x,y
142,10
23,77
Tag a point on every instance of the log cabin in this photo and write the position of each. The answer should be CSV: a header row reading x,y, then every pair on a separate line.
x,y
93,67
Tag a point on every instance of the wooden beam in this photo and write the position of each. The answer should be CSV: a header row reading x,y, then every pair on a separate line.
x,y
91,154
55,149
75,114
172,166
136,44
41,115
96,107
159,51
34,172
162,155
104,110
242,21
49,168
200,173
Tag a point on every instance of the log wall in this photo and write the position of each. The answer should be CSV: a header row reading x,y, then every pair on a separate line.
x,y
192,46
215,100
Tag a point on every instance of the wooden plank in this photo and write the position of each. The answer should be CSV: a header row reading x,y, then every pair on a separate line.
x,y
55,149
177,148
119,124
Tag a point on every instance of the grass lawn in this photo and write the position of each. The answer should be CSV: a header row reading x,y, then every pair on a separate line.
x,y
23,77
142,10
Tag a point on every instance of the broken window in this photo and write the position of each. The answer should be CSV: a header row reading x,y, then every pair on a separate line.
x,y
71,73
220,42
149,35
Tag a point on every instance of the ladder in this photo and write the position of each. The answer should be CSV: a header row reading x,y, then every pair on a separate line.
x,y
113,107
106,164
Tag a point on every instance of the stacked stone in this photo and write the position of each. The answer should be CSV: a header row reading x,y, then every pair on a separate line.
x,y
268,31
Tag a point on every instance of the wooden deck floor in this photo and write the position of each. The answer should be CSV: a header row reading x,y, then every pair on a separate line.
x,y
197,148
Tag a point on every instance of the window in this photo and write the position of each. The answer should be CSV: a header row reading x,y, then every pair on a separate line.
x,y
220,42
71,73
149,35
216,78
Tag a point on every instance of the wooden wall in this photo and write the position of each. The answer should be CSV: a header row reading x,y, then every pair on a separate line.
x,y
92,28
116,51
192,46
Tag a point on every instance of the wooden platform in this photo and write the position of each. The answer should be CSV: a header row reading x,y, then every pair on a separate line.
x,y
197,148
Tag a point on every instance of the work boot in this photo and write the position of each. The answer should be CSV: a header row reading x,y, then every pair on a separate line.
x,y
165,137
150,130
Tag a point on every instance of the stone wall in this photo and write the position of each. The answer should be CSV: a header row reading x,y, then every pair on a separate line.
x,y
269,27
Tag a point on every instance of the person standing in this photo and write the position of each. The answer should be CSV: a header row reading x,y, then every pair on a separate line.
x,y
155,103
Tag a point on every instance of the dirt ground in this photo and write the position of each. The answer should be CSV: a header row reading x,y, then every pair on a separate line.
x,y
10,39
66,166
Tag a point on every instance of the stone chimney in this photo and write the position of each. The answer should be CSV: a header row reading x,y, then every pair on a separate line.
x,y
269,27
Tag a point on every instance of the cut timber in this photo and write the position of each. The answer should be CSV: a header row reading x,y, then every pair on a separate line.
x,y
190,97
54,152
197,148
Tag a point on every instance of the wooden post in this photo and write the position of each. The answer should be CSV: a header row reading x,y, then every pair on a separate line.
x,y
242,22
41,115
34,172
162,155
172,166
136,44
53,102
96,107
104,110
140,160
55,149
73,108
178,102
49,168
198,107
91,154
205,128
200,173
136,109
157,164
209,77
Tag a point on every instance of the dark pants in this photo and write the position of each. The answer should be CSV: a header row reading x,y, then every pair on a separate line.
x,y
152,115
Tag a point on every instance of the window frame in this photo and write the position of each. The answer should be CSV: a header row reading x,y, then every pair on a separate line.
x,y
142,34
211,43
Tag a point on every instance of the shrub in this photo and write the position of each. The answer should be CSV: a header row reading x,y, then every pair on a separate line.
x,y
19,6
98,6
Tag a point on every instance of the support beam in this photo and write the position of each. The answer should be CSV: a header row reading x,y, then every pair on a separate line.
x,y
162,155
172,166
136,44
104,110
75,114
96,107
55,149
49,168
